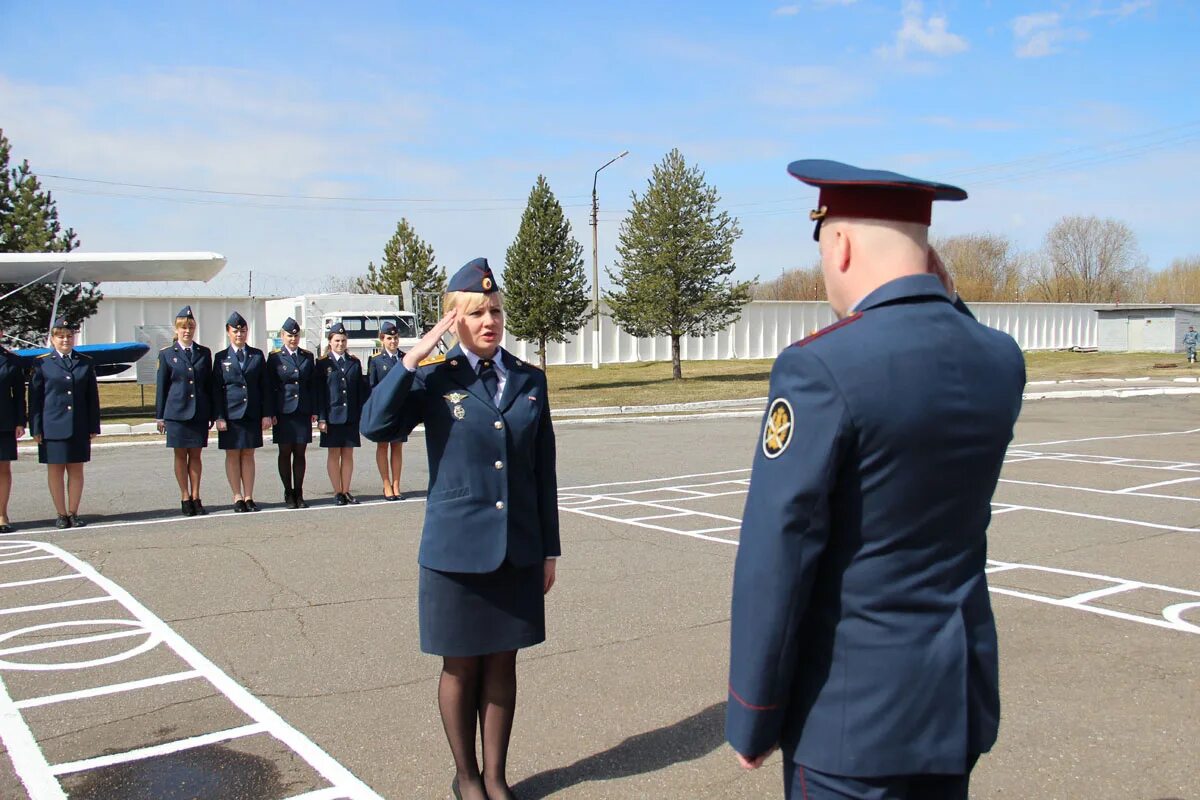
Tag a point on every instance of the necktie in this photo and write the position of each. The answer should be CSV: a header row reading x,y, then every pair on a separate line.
x,y
491,381
241,356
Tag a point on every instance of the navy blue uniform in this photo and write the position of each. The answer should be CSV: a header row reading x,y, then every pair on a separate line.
x,y
293,396
183,394
64,407
378,366
12,403
862,640
342,390
491,516
241,392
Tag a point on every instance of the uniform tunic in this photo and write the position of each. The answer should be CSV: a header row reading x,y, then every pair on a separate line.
x,y
183,394
241,391
342,390
378,366
12,403
491,516
64,407
293,395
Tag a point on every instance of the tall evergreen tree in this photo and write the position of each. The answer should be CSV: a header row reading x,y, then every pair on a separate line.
x,y
675,258
546,290
406,257
29,224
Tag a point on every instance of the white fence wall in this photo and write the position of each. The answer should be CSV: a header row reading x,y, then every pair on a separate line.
x,y
116,318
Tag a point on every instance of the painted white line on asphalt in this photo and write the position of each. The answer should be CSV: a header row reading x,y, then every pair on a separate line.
x,y
660,516
1132,489
159,749
666,507
27,759
1101,518
320,794
15,584
1093,490
60,604
97,637
112,688
23,560
1087,597
655,480
1105,438
1094,576
648,526
1106,612
1174,614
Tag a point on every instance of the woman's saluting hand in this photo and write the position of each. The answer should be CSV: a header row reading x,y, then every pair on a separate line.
x,y
429,342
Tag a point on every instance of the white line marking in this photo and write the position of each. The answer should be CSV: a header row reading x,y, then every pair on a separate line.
x,y
113,688
999,568
660,516
1175,614
23,560
15,584
1110,492
97,637
1132,489
1005,510
158,749
1103,438
1101,518
27,759
61,604
665,507
320,794
648,526
654,480
1093,576
1087,597
1107,612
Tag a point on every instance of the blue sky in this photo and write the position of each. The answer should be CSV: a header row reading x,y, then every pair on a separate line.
x,y
445,113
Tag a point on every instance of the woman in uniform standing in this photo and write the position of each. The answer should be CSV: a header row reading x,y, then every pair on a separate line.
x,y
241,390
64,417
12,425
490,538
342,391
387,454
293,406
183,407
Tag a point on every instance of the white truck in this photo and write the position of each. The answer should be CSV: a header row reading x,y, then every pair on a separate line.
x,y
361,314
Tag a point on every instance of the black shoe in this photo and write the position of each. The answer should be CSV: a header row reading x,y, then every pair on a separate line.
x,y
188,508
251,505
63,521
397,496
5,527
340,499
289,498
299,495
200,509
351,499
76,522
388,497
239,506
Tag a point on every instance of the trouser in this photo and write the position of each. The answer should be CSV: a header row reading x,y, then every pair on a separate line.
x,y
804,783
1191,351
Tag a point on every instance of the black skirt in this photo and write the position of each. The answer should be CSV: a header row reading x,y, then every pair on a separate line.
x,y
467,614
76,450
241,434
345,435
292,429
8,445
192,433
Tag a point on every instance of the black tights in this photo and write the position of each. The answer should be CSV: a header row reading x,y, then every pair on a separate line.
x,y
482,688
292,463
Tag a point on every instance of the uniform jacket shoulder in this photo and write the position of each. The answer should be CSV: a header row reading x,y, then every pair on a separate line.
x,y
43,355
828,329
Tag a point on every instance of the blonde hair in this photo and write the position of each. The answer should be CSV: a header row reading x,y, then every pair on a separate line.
x,y
466,302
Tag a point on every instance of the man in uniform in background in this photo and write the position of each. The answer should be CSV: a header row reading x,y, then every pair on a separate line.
x,y
1190,339
862,641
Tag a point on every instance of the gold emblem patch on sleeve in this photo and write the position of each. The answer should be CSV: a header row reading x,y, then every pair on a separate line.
x,y
777,433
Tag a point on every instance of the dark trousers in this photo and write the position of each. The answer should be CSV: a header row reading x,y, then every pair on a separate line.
x,y
804,783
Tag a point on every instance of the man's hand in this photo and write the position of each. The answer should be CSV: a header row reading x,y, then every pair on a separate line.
x,y
757,761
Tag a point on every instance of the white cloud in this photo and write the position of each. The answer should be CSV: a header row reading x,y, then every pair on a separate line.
x,y
786,11
1121,10
1043,34
920,34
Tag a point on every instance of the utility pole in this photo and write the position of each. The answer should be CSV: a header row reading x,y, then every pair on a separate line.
x,y
596,267
250,286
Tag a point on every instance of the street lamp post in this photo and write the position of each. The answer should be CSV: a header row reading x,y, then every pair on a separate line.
x,y
596,267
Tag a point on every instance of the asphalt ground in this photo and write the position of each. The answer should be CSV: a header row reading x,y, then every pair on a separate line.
x,y
275,655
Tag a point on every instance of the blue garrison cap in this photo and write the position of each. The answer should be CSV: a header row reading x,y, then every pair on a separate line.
x,y
475,276
848,191
388,327
290,326
336,327
235,320
61,322
184,313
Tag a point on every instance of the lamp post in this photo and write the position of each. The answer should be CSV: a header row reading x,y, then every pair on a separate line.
x,y
596,267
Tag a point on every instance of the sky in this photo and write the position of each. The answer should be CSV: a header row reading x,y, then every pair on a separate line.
x,y
291,137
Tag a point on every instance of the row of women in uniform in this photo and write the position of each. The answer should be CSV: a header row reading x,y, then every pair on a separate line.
x,y
243,393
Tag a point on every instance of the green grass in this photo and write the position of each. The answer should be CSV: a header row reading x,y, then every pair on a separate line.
x,y
1061,365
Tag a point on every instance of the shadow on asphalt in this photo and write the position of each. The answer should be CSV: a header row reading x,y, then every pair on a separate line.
x,y
686,740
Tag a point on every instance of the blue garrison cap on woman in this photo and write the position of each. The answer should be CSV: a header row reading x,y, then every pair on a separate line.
x,y
335,329
290,326
235,320
388,327
185,313
475,276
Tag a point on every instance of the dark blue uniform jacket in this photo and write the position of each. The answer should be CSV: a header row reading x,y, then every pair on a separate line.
x,y
241,390
63,401
862,634
493,489
183,389
342,390
380,364
12,392
293,383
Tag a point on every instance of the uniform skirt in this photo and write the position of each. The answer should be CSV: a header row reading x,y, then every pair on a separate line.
x,y
76,450
191,433
345,435
292,429
8,445
467,614
241,434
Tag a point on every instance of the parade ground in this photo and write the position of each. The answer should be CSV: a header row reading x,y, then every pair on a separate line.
x,y
275,655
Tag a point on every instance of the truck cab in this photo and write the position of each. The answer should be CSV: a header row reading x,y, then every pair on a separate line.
x,y
362,330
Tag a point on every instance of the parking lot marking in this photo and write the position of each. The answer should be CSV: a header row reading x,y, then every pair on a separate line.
x,y
87,601
112,688
1106,438
1156,485
158,750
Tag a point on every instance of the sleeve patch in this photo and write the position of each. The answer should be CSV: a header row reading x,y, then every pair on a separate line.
x,y
777,431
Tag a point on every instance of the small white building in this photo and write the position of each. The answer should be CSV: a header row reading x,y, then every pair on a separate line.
x,y
1145,328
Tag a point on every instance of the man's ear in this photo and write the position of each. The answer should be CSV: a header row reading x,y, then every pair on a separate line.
x,y
841,248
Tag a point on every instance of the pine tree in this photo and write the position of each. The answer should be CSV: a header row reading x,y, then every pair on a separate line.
x,y
406,257
675,257
29,224
546,290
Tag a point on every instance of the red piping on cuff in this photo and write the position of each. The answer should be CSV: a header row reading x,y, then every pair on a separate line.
x,y
750,706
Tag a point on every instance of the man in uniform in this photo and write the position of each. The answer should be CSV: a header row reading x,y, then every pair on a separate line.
x,y
1190,339
862,639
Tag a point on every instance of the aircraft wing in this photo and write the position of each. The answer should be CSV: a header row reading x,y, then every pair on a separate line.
x,y
109,267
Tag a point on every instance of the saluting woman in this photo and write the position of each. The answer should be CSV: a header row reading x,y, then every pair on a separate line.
x,y
183,407
241,392
12,424
293,404
64,417
342,390
389,456
491,521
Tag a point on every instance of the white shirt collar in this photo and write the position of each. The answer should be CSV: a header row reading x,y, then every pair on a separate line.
x,y
474,360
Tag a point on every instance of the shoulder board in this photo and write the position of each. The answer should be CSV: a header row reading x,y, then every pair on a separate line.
x,y
439,358
841,323
45,355
81,356
171,346
302,350
276,350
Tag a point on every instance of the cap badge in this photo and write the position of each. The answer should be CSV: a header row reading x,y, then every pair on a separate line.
x,y
486,283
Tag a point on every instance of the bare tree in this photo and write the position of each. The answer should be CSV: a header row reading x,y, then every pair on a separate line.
x,y
984,265
795,284
1178,283
1088,260
345,284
